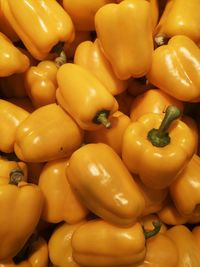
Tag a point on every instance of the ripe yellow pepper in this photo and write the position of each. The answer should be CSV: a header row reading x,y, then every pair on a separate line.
x,y
109,190
84,97
82,12
12,60
41,83
11,117
48,24
179,61
185,190
157,148
188,250
59,245
21,205
90,55
98,243
48,133
125,34
60,202
180,17
112,136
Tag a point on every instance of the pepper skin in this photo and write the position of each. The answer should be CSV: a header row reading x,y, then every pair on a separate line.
x,y
41,83
152,101
60,202
188,250
59,245
49,24
12,60
104,185
82,12
48,133
129,49
98,243
180,17
156,160
90,55
17,199
11,117
84,98
185,190
179,61
113,136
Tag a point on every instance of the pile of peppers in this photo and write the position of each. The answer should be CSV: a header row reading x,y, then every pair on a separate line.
x,y
99,133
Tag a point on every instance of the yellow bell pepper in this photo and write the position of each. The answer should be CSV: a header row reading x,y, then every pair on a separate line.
x,y
113,136
185,190
109,190
41,83
152,101
125,34
179,61
98,243
12,60
180,17
188,250
59,245
39,24
90,55
21,205
11,117
196,234
157,148
84,97
60,202
48,133
82,12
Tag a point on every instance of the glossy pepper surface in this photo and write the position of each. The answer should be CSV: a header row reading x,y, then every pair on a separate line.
x,y
156,160
180,63
129,49
35,138
50,24
85,98
17,198
12,60
104,184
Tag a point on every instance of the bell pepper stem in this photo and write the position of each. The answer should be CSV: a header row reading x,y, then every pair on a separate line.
x,y
161,39
102,118
16,176
160,137
157,226
61,59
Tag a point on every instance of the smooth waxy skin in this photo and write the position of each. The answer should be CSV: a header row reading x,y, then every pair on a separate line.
x,y
104,184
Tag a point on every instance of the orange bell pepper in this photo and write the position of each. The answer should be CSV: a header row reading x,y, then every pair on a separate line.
x,y
180,17
157,148
152,101
21,202
12,60
179,61
112,136
59,245
60,202
35,137
49,24
41,83
98,243
125,34
109,190
90,55
84,98
196,234
11,117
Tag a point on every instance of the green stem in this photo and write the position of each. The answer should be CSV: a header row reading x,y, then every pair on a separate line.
x,y
16,176
160,137
102,118
61,59
157,226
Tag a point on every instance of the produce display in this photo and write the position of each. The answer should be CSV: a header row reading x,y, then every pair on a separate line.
x,y
99,133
